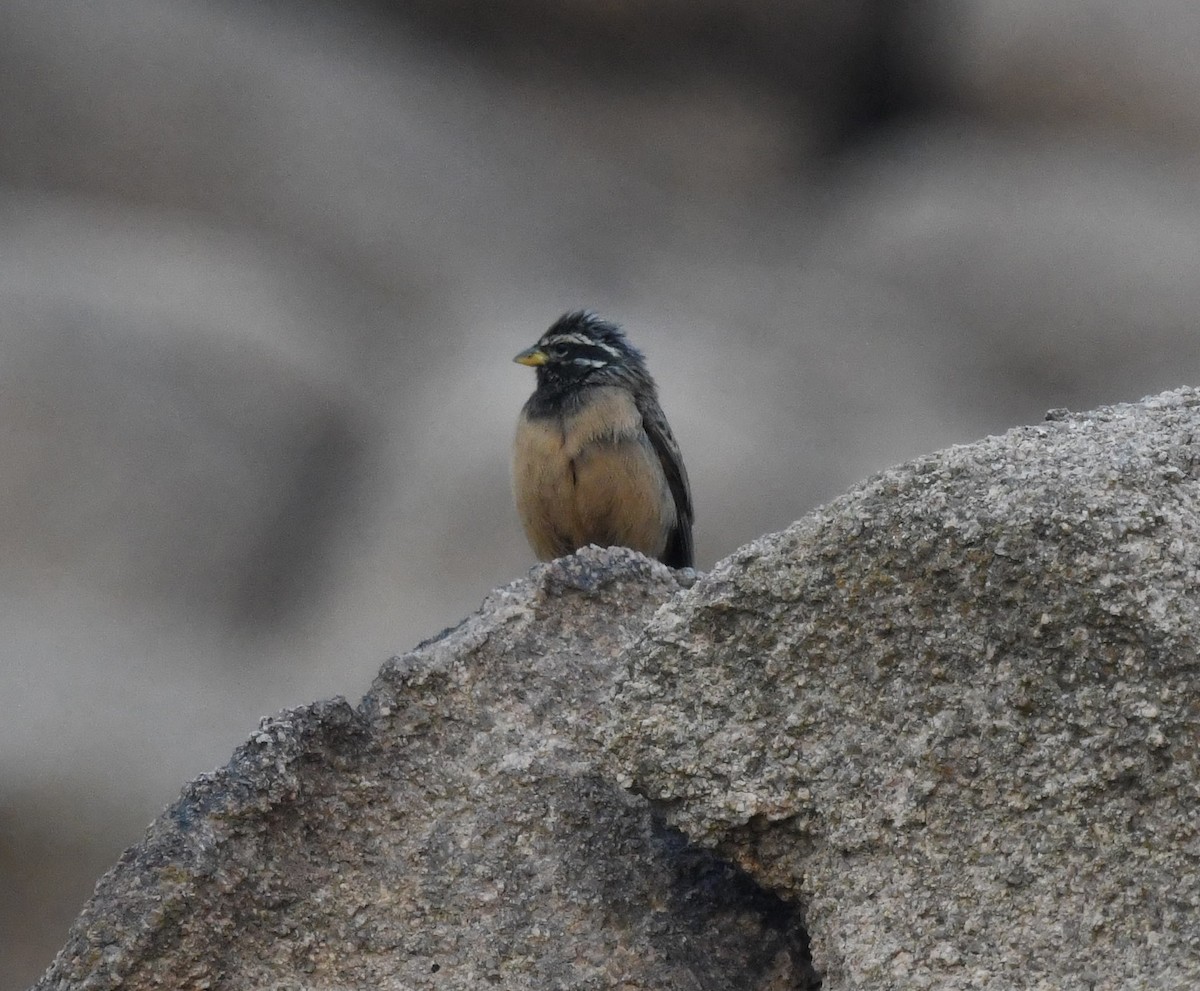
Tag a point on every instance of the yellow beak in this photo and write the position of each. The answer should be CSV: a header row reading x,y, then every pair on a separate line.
x,y
533,357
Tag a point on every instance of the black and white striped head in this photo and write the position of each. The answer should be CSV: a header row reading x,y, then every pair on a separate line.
x,y
582,349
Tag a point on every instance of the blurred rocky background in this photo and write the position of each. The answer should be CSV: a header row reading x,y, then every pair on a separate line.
x,y
263,266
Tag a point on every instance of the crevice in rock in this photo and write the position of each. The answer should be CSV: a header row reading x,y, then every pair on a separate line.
x,y
712,895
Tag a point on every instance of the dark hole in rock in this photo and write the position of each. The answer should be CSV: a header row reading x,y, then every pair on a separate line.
x,y
712,895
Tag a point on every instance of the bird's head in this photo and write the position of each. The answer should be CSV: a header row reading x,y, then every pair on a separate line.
x,y
582,349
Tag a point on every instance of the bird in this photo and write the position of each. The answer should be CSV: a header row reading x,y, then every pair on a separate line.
x,y
594,459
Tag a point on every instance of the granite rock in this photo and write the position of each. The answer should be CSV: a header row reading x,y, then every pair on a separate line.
x,y
453,831
946,726
954,712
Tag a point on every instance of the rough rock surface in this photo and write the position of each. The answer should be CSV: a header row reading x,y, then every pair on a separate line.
x,y
956,711
451,832
949,722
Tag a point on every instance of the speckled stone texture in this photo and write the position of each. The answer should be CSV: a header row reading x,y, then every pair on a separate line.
x,y
949,722
956,712
453,832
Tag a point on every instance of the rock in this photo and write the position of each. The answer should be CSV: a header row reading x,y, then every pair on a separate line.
x,y
954,711
179,429
946,725
1127,68
453,831
1025,267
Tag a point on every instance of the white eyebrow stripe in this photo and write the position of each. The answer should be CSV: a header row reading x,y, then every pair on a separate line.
x,y
569,339
583,341
589,362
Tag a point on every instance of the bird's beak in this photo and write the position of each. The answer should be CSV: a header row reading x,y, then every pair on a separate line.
x,y
533,357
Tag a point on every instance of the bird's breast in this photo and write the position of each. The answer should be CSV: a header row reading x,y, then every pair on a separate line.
x,y
591,476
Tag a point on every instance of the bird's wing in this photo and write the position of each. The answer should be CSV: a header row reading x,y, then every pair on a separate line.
x,y
679,549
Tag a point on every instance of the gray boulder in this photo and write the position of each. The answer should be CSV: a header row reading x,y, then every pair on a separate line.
x,y
947,723
454,831
956,711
